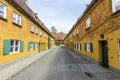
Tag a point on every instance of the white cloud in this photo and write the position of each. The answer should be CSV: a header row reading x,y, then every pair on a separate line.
x,y
59,13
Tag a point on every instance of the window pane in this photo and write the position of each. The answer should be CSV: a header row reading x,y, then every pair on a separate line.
x,y
1,14
16,18
16,43
11,49
12,43
2,10
31,46
16,48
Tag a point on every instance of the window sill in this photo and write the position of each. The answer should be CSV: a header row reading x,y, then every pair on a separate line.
x,y
31,49
115,13
32,31
17,24
3,18
36,33
88,28
14,52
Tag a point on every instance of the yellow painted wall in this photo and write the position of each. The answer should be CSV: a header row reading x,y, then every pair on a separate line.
x,y
103,22
9,31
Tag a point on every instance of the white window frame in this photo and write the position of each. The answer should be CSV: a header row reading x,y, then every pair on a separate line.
x,y
114,4
79,47
31,45
3,10
77,32
16,18
40,33
44,35
36,45
14,46
74,33
88,47
118,49
31,28
88,23
36,30
76,46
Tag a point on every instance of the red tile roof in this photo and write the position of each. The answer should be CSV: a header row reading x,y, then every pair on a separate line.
x,y
59,36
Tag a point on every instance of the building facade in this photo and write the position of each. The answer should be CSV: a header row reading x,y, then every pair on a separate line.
x,y
96,33
21,32
59,39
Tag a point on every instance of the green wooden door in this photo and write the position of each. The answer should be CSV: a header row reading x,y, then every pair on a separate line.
x,y
105,61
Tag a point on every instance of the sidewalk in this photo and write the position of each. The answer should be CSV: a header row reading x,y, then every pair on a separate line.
x,y
93,70
11,68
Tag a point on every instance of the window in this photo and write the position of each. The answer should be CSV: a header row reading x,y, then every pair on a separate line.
x,y
74,46
36,45
2,10
36,30
88,22
31,28
31,45
74,33
89,47
40,33
79,46
44,35
115,5
77,32
14,46
16,18
119,49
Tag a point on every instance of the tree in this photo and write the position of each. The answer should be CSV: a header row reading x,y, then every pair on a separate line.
x,y
61,32
53,29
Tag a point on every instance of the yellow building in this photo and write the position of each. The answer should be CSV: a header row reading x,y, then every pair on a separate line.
x,y
21,31
96,33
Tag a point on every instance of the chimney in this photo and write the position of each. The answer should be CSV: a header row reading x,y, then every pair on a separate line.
x,y
87,5
25,1
35,14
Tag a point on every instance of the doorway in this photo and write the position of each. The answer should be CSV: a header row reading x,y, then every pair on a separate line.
x,y
104,56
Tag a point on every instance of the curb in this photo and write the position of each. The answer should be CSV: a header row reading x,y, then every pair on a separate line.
x,y
14,69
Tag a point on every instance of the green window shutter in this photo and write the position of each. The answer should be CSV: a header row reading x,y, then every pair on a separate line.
x,y
91,47
77,46
29,46
6,47
119,42
85,47
21,46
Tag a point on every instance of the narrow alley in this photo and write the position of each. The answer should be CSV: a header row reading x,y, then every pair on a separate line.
x,y
64,64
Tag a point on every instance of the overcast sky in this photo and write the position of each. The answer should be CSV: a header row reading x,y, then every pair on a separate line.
x,y
59,13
